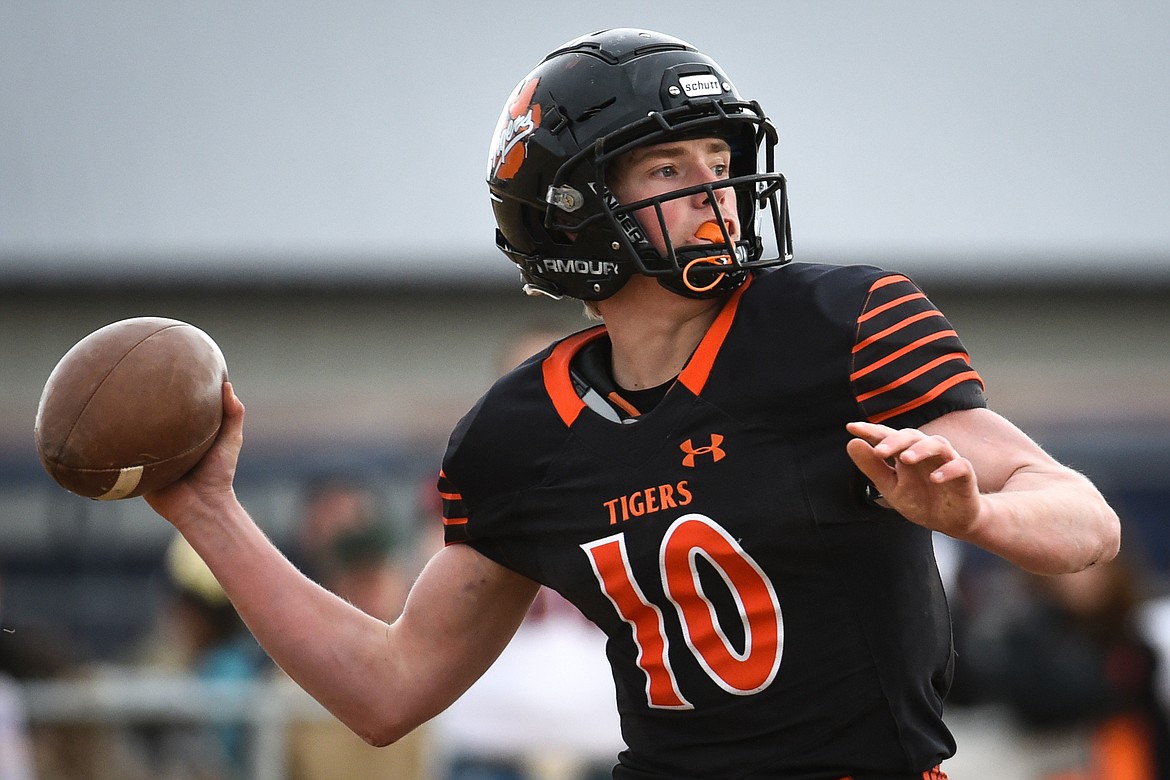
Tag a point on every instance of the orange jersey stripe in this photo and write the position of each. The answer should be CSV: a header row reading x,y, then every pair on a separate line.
x,y
922,315
886,281
890,305
927,397
938,361
452,502
874,366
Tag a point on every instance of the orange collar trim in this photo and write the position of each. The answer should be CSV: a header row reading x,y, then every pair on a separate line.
x,y
698,369
694,376
556,374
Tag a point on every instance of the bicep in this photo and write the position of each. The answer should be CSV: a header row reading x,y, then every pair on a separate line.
x,y
459,616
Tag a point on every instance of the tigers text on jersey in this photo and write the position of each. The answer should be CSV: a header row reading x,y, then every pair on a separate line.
x,y
764,618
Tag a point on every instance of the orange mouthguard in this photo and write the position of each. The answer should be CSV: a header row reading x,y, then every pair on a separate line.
x,y
709,231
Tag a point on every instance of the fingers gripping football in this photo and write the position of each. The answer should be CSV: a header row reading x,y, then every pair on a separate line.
x,y
920,476
210,482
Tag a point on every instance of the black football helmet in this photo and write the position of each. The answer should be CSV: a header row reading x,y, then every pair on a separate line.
x,y
586,104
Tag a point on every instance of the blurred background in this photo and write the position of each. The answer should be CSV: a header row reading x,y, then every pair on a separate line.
x,y
304,181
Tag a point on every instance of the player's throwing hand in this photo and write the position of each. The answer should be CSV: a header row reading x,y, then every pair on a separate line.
x,y
209,484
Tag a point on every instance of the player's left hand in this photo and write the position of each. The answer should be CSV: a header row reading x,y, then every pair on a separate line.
x,y
920,476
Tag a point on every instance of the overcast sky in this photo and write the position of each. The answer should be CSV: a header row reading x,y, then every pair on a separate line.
x,y
264,137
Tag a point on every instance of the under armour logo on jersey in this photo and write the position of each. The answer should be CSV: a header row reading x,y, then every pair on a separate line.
x,y
713,449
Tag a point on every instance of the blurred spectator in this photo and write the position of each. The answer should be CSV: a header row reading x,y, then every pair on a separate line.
x,y
15,751
51,751
15,747
353,549
363,568
546,708
1070,657
978,586
200,634
332,505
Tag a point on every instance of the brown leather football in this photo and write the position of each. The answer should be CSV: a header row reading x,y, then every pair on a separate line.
x,y
131,408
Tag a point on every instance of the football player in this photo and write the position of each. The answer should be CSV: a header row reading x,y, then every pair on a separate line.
x,y
736,475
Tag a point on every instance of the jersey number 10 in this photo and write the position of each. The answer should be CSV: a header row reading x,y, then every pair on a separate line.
x,y
739,672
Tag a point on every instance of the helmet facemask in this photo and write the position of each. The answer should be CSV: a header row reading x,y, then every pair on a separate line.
x,y
577,113
696,271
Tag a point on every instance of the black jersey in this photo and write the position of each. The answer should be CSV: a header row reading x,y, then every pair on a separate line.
x,y
765,619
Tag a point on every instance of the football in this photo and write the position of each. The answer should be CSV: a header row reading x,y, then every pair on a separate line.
x,y
131,408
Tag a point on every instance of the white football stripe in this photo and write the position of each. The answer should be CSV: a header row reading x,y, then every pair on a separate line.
x,y
128,479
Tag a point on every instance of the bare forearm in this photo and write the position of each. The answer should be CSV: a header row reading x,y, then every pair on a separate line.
x,y
974,476
337,653
1050,523
381,680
